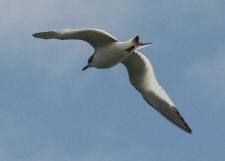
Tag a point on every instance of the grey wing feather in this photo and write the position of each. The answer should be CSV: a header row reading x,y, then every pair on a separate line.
x,y
142,77
94,37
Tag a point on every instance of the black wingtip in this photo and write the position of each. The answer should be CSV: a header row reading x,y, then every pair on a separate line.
x,y
35,35
38,35
188,130
45,35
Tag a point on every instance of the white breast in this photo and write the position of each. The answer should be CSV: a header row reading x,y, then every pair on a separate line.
x,y
110,55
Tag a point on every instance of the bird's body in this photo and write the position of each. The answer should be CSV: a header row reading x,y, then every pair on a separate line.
x,y
109,52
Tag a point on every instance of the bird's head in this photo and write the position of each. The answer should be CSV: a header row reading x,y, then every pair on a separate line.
x,y
89,63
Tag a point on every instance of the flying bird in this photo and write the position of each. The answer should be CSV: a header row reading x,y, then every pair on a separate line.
x,y
109,51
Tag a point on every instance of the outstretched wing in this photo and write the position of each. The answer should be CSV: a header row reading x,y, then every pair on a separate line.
x,y
142,77
94,37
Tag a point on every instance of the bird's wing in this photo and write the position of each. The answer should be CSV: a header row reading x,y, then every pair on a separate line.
x,y
142,77
95,37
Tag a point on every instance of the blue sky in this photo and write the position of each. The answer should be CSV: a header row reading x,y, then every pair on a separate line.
x,y
52,111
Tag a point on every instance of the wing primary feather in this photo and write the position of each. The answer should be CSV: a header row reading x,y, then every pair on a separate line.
x,y
142,77
95,37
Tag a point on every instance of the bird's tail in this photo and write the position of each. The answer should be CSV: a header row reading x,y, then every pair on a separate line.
x,y
139,44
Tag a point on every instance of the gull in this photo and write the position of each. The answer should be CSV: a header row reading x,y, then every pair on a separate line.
x,y
109,51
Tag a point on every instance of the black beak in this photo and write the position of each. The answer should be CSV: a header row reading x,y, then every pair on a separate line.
x,y
84,68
